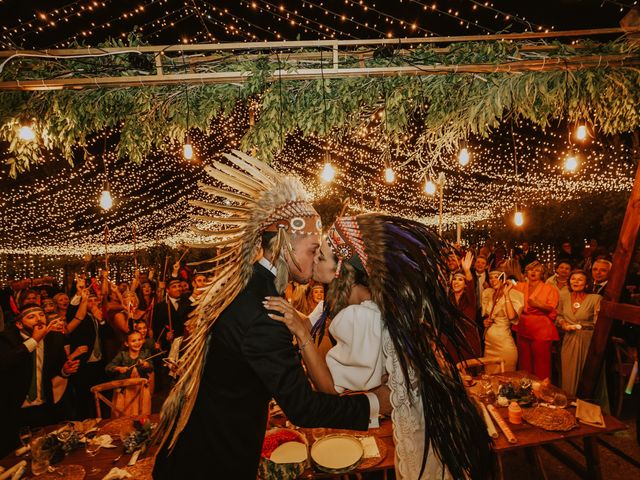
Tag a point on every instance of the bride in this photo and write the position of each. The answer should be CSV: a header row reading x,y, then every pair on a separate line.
x,y
385,296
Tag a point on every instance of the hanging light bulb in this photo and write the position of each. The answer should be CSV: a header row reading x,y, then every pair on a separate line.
x,y
464,156
328,172
430,187
518,218
187,149
571,163
26,133
106,202
581,133
389,175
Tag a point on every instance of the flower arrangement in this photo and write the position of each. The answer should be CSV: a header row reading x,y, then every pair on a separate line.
x,y
61,442
141,435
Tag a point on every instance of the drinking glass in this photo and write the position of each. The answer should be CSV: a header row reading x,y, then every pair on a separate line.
x,y
25,436
560,400
40,456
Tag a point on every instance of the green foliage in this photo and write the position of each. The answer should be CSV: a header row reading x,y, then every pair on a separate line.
x,y
452,106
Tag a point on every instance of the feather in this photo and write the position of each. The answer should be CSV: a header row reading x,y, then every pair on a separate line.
x,y
405,262
262,166
230,181
220,233
221,220
219,192
241,176
253,171
220,208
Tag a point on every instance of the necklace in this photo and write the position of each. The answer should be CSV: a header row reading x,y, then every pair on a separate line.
x,y
577,301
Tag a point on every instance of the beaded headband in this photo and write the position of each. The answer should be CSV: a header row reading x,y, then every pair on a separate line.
x,y
345,240
295,217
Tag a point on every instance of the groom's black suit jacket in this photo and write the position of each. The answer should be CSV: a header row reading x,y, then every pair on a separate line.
x,y
250,359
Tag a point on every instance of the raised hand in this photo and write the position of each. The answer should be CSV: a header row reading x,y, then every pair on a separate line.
x,y
467,261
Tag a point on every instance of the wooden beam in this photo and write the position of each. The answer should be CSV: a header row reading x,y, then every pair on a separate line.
x,y
617,275
621,311
179,48
537,65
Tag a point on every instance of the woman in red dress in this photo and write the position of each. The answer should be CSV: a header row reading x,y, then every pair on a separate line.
x,y
536,329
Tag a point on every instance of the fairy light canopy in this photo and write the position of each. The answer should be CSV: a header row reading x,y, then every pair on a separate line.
x,y
54,209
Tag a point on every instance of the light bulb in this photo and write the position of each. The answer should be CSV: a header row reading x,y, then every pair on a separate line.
x,y
106,202
389,175
430,187
463,156
187,151
581,132
26,133
571,163
518,219
328,173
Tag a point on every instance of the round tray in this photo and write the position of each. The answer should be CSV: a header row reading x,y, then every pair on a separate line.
x,y
338,453
552,419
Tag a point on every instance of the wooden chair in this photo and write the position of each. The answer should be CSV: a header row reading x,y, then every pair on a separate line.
x,y
137,386
622,368
479,363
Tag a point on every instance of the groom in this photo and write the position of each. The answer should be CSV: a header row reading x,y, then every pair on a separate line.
x,y
250,360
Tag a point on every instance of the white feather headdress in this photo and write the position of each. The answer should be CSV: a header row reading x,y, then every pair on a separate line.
x,y
262,200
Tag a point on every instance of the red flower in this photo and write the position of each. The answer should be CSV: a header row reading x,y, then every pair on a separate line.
x,y
273,440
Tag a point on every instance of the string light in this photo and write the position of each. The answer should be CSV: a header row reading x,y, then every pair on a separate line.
x,y
389,175
106,202
464,156
26,133
430,187
187,148
581,133
328,172
518,218
571,163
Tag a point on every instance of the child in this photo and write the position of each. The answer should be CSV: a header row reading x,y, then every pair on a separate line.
x,y
140,325
131,362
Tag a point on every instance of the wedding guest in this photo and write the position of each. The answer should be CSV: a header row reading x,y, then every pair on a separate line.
x,y
536,328
501,308
527,255
577,315
560,279
31,354
463,295
600,275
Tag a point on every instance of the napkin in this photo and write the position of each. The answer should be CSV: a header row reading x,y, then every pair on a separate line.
x,y
370,447
116,474
105,441
589,414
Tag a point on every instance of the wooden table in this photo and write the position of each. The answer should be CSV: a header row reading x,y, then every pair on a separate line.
x,y
95,467
532,439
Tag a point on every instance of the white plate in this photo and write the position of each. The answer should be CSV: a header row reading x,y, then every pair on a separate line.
x,y
290,452
337,452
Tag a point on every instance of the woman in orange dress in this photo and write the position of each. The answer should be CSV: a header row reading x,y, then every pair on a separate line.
x,y
536,329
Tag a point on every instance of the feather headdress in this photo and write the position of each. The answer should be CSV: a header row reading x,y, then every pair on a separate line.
x,y
404,262
262,201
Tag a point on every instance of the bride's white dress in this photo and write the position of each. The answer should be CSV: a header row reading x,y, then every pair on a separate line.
x,y
363,354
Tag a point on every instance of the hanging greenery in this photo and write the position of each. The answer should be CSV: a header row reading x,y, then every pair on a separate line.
x,y
590,83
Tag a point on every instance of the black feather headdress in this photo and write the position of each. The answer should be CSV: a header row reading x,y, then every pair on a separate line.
x,y
405,264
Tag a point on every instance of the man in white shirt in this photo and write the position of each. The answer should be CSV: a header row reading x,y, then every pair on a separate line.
x,y
600,274
31,354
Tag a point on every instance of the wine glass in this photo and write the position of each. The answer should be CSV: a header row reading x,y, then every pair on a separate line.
x,y
25,436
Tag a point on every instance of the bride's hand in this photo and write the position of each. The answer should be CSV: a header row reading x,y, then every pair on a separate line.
x,y
296,324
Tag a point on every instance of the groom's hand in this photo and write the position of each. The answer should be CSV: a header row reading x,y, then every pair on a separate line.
x,y
383,393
